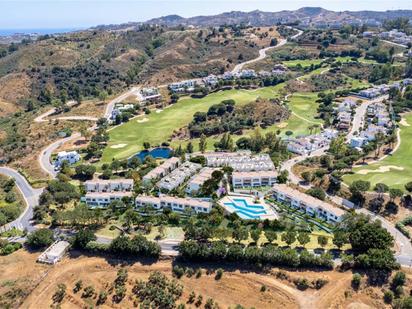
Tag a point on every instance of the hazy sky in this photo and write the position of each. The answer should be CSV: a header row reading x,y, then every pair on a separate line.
x,y
85,13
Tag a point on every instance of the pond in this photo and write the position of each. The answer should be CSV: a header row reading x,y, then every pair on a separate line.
x,y
157,153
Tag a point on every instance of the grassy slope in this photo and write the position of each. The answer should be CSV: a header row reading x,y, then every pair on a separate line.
x,y
401,158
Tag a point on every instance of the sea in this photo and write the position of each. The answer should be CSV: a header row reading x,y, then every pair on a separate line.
x,y
42,31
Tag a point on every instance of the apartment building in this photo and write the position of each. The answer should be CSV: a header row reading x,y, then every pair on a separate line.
x,y
175,203
111,185
178,176
254,179
184,86
240,161
103,199
309,204
162,170
150,95
197,181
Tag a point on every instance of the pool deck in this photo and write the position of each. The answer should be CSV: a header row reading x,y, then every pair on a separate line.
x,y
250,200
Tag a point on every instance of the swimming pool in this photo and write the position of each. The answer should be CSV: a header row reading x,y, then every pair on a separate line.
x,y
245,209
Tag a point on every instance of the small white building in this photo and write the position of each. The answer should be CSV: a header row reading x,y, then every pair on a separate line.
x,y
174,203
254,179
197,181
54,253
70,157
358,142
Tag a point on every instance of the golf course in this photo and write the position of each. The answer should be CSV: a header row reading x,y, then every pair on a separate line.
x,y
158,126
394,170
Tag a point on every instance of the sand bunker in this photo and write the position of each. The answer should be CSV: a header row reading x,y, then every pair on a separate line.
x,y
143,120
382,169
282,125
159,111
404,122
118,146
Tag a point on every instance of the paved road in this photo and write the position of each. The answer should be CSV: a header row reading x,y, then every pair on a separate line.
x,y
120,98
262,53
30,195
395,44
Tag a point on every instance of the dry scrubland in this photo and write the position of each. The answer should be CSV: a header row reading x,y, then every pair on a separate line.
x,y
22,275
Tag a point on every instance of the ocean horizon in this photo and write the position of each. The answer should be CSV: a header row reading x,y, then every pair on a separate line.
x,y
43,31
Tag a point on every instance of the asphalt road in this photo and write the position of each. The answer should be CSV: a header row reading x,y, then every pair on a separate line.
x,y
30,195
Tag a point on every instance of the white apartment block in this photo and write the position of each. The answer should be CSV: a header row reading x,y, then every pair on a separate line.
x,y
162,170
175,203
240,161
103,199
184,86
70,157
178,176
309,204
109,185
254,179
150,95
197,181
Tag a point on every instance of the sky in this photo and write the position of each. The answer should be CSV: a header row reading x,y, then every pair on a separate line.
x,y
32,14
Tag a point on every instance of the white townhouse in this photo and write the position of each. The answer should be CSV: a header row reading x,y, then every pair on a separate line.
x,y
109,185
254,179
197,181
242,161
149,95
103,199
175,203
70,157
183,86
162,170
178,176
309,204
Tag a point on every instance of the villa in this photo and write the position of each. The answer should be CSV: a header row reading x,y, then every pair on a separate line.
x,y
197,181
309,204
162,170
70,157
175,203
211,80
242,161
150,95
109,185
254,179
178,176
184,86
307,144
247,74
103,199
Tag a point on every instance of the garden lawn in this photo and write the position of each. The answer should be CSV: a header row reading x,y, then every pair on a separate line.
x,y
394,178
160,126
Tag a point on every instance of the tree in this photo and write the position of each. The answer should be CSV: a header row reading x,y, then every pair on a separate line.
x,y
85,171
189,147
340,238
322,240
240,234
356,280
60,293
381,188
40,238
303,238
289,237
358,188
255,234
317,192
271,235
82,238
146,145
103,96
307,176
370,235
202,143
283,176
394,193
408,187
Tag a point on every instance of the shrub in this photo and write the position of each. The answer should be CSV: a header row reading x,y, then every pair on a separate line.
x,y
388,297
60,293
88,291
40,238
78,286
356,281
301,283
219,274
178,271
263,288
198,273
319,283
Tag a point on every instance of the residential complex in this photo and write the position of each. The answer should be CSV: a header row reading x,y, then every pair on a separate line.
x,y
254,179
309,204
109,185
104,199
162,170
178,176
307,144
196,182
242,161
174,203
150,95
183,86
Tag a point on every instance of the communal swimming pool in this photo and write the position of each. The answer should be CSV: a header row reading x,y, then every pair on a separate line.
x,y
246,209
